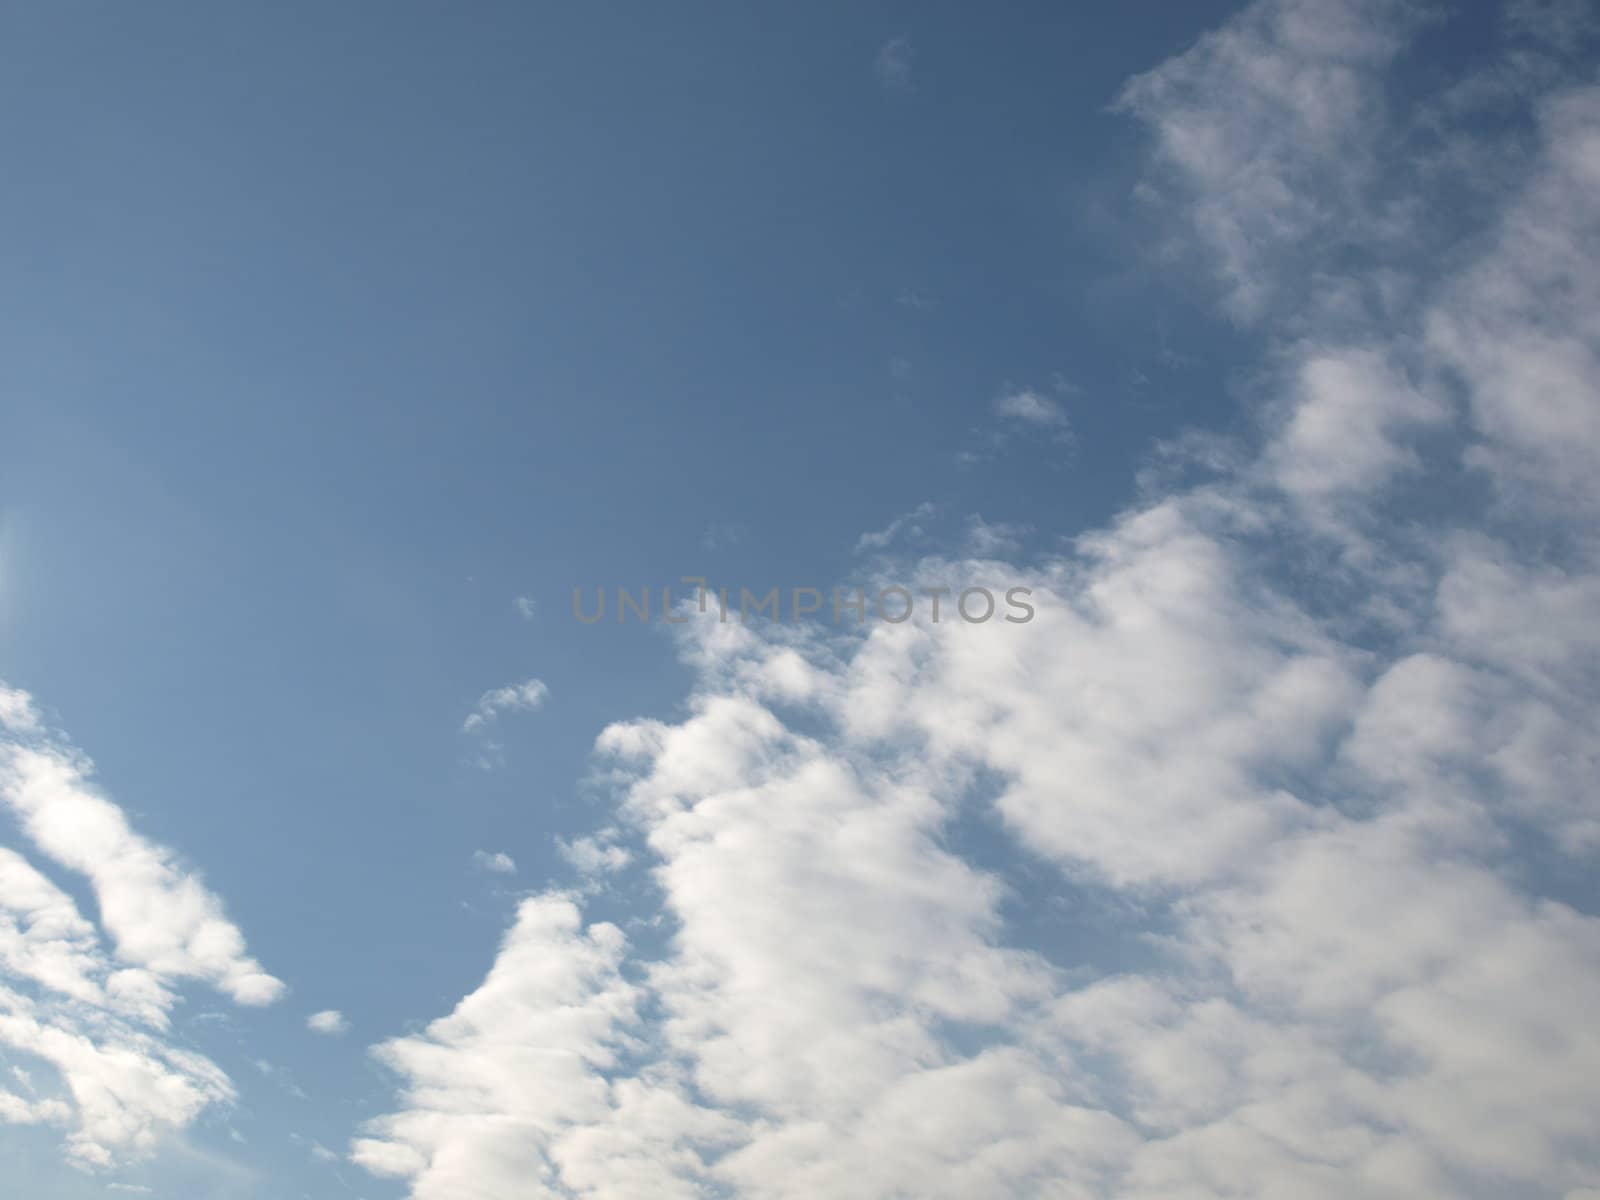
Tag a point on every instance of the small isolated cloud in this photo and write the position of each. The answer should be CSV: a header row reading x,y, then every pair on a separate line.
x,y
329,1021
893,66
1020,411
915,299
1029,407
526,607
516,697
498,862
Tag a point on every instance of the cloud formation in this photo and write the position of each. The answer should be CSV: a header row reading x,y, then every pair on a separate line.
x,y
908,526
1029,407
498,862
1271,130
1251,908
330,1023
100,1018
516,697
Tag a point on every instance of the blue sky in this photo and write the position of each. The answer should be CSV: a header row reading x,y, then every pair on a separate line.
x,y
340,346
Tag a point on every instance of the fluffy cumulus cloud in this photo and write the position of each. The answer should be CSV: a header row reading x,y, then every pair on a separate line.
x,y
330,1022
93,1003
1226,875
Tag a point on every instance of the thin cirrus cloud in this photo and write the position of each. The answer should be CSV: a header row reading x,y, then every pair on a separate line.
x,y
1283,743
100,1016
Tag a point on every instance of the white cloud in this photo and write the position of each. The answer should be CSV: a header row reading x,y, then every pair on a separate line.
x,y
526,1051
527,607
1529,362
1023,413
909,526
159,915
517,697
17,712
43,938
330,1022
1028,407
985,539
1344,430
595,855
117,1086
1301,780
1269,128
499,862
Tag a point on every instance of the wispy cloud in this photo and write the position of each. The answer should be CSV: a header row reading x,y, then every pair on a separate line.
x,y
1028,407
907,526
893,66
723,534
1268,132
497,862
517,697
1021,415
